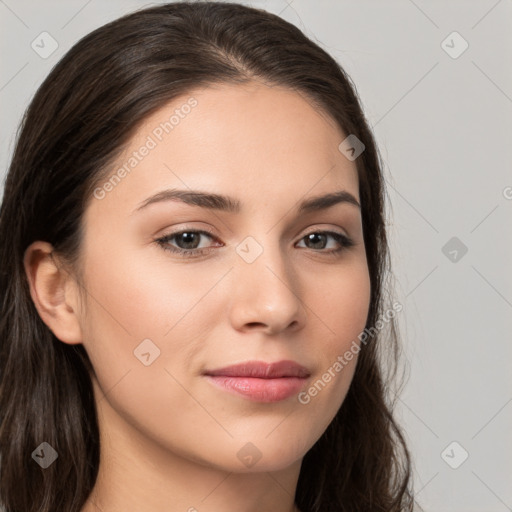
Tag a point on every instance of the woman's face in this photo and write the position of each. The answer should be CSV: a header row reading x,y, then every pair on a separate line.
x,y
265,282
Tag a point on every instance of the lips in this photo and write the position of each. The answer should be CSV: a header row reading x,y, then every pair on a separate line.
x,y
259,381
262,370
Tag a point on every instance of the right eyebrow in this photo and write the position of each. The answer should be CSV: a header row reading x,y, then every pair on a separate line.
x,y
194,198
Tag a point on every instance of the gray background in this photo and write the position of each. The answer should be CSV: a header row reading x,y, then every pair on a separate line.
x,y
443,127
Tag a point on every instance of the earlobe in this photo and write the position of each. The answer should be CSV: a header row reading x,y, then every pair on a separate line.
x,y
53,291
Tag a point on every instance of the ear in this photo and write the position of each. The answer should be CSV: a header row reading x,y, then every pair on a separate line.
x,y
54,292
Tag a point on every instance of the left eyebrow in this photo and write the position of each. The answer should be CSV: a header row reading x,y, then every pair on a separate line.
x,y
225,203
324,202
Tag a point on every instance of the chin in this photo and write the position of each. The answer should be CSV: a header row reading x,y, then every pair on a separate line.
x,y
277,452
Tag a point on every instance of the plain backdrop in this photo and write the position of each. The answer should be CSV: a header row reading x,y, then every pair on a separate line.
x,y
435,80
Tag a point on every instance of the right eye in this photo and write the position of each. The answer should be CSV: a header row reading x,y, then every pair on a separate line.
x,y
189,239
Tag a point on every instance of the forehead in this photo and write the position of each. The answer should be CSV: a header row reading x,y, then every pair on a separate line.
x,y
265,141
246,115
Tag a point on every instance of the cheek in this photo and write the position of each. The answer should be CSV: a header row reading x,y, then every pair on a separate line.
x,y
144,297
342,304
137,307
342,309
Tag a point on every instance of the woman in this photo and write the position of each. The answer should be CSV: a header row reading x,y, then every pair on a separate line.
x,y
193,278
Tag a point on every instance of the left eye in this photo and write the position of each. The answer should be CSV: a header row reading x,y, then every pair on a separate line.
x,y
342,240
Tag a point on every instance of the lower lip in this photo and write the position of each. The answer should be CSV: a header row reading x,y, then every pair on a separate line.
x,y
260,390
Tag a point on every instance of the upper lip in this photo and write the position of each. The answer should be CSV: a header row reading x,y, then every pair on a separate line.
x,y
262,370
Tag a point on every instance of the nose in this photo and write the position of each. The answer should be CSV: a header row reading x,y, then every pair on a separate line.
x,y
266,294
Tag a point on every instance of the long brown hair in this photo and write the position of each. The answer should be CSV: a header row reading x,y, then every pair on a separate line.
x,y
79,121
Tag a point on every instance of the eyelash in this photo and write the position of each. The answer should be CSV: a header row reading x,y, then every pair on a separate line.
x,y
344,241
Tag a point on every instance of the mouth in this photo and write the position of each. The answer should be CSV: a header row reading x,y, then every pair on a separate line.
x,y
260,381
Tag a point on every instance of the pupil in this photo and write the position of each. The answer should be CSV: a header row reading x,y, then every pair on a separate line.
x,y
190,236
318,235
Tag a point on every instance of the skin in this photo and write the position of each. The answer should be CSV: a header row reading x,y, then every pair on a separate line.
x,y
169,438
